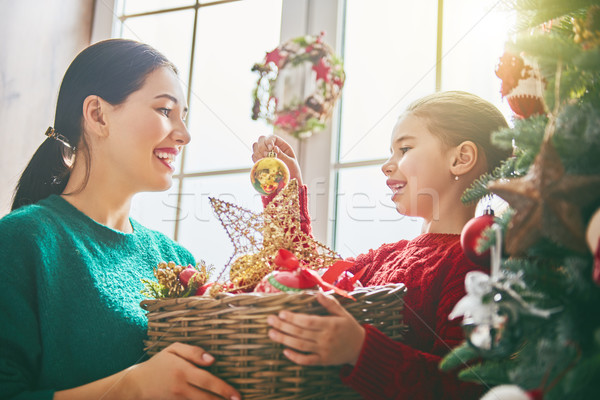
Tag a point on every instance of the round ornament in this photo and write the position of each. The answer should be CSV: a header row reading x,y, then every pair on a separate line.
x,y
269,175
285,281
472,233
282,69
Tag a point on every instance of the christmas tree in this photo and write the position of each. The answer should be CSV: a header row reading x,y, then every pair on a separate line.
x,y
534,323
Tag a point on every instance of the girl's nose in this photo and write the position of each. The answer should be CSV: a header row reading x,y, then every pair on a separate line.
x,y
388,167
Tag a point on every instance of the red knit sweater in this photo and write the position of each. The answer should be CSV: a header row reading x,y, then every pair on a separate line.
x,y
433,268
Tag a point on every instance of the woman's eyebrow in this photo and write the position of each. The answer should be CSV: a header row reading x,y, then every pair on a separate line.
x,y
172,98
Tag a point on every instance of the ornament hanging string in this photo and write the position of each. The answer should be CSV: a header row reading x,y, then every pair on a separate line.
x,y
551,126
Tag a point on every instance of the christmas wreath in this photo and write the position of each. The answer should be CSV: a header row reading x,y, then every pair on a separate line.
x,y
299,118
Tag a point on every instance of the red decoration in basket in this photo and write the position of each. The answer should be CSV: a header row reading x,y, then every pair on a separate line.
x,y
348,281
202,289
190,276
471,234
187,274
290,276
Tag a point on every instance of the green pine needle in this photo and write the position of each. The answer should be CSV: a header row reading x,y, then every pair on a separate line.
x,y
458,357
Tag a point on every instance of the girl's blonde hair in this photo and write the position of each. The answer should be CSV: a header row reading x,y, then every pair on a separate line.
x,y
455,117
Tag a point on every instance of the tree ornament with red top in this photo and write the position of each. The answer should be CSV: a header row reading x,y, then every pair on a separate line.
x,y
472,234
522,85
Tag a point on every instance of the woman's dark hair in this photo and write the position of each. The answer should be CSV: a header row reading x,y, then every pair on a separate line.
x,y
455,116
111,69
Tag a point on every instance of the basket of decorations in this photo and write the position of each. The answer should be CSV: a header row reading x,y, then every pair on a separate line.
x,y
275,267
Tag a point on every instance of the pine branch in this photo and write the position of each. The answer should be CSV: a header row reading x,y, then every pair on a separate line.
x,y
478,188
491,373
458,357
532,13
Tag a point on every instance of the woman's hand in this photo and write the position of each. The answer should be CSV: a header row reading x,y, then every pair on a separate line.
x,y
319,340
175,373
264,144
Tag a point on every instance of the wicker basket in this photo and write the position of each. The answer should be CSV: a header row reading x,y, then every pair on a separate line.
x,y
233,328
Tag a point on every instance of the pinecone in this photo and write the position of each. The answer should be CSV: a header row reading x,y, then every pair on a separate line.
x,y
168,276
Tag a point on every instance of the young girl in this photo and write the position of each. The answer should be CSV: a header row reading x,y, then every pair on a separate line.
x,y
439,146
72,259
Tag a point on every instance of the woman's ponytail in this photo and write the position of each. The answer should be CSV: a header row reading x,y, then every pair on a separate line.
x,y
47,173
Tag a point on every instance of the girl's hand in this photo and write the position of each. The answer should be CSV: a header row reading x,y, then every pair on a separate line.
x,y
264,144
319,340
175,373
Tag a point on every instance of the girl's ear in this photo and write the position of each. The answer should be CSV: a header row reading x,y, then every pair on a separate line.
x,y
464,158
94,118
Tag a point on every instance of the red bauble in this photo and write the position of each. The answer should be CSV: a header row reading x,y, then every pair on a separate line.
x,y
186,275
471,234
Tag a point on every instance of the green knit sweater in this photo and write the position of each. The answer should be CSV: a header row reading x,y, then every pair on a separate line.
x,y
69,297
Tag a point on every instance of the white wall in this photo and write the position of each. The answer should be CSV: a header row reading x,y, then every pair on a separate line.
x,y
39,40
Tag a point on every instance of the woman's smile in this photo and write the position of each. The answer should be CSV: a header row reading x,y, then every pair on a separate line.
x,y
166,155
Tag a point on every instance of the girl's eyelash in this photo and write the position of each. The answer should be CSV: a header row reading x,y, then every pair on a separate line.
x,y
165,111
403,150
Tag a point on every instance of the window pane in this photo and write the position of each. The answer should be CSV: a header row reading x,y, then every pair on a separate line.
x,y
156,210
140,6
474,35
366,216
199,229
169,33
221,102
389,58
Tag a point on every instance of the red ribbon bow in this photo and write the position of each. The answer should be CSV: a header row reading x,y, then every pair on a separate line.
x,y
287,261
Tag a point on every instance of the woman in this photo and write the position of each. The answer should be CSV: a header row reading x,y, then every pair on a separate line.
x,y
72,327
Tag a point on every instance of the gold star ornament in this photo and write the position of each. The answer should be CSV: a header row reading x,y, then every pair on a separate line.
x,y
257,238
